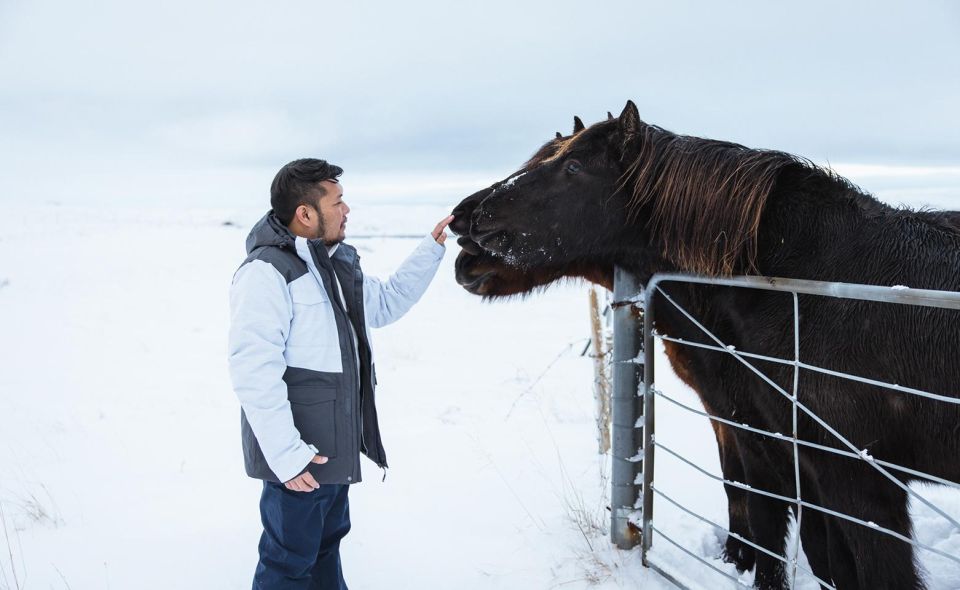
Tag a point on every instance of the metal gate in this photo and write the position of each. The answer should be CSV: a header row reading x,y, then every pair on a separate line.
x,y
632,505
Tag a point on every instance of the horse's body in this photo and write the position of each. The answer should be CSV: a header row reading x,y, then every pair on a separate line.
x,y
717,208
486,275
913,347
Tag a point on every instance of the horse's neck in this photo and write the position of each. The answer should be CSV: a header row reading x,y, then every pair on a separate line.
x,y
829,233
838,234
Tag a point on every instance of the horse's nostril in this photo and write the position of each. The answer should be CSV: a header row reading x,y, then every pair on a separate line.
x,y
476,217
461,222
465,210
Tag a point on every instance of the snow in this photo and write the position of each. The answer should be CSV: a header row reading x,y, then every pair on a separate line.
x,y
120,456
513,179
120,462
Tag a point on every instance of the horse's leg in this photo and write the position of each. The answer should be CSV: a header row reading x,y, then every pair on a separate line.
x,y
735,551
829,557
843,564
815,541
878,560
769,518
827,551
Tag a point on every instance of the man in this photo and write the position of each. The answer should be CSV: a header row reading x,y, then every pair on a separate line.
x,y
301,365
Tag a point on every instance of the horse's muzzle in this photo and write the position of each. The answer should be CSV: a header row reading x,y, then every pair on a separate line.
x,y
464,211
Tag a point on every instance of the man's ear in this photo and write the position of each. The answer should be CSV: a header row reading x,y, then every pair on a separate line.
x,y
302,214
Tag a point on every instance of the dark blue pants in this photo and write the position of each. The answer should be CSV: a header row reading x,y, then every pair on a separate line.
x,y
300,545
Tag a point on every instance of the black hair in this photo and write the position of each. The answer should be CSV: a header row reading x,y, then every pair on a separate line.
x,y
298,183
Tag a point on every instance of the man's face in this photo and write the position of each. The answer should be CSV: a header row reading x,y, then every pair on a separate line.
x,y
333,214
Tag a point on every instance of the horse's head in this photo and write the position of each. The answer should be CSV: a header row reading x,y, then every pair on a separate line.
x,y
481,272
620,192
558,216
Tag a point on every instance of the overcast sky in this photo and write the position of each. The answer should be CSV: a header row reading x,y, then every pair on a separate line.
x,y
200,102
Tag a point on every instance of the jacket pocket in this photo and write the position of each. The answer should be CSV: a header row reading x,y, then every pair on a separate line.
x,y
306,290
314,415
313,340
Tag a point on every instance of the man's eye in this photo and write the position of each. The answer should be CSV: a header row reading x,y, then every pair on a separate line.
x,y
573,167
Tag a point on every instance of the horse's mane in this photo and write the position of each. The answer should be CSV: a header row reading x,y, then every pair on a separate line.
x,y
547,151
707,196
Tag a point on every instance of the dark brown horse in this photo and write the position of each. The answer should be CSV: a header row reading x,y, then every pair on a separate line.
x,y
626,193
486,274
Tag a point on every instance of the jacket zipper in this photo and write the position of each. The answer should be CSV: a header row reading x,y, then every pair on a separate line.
x,y
357,285
355,377
353,339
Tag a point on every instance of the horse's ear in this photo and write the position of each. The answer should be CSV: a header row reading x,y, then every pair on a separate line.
x,y
559,135
609,115
578,125
630,119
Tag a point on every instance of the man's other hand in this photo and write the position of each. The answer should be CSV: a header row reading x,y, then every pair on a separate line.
x,y
438,234
305,482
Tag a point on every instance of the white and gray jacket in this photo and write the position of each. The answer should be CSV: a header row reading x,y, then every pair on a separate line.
x,y
299,351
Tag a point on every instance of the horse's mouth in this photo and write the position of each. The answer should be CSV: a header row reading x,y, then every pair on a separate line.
x,y
475,284
473,272
469,246
495,242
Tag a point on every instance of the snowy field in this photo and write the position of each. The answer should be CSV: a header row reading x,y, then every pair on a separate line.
x,y
120,463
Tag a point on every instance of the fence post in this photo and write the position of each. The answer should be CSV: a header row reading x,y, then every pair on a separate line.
x,y
626,409
601,376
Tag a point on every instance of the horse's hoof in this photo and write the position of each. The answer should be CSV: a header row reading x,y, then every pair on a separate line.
x,y
741,555
774,579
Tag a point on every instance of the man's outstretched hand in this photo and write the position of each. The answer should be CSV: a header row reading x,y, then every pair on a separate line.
x,y
305,482
438,234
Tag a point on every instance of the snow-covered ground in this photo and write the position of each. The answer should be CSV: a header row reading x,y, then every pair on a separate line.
x,y
120,464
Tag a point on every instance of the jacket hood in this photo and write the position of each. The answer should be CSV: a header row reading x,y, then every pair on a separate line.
x,y
268,232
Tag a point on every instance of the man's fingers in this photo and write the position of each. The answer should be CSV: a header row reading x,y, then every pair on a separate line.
x,y
443,224
304,487
438,231
438,234
297,484
309,481
305,482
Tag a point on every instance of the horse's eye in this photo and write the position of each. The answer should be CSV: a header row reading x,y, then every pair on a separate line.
x,y
573,167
